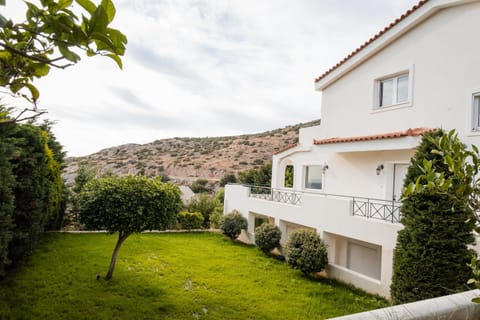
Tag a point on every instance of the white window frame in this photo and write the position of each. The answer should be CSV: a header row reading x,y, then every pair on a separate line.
x,y
305,176
474,122
396,104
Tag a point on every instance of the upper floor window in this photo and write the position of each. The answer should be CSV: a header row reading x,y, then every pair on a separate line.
x,y
392,91
313,177
476,112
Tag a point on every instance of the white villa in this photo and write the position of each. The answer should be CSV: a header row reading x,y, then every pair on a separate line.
x,y
421,72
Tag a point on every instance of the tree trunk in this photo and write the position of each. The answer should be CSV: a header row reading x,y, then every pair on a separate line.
x,y
121,239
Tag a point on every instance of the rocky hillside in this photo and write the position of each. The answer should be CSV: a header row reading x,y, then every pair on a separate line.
x,y
187,159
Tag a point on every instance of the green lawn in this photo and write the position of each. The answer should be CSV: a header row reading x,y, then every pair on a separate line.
x,y
168,276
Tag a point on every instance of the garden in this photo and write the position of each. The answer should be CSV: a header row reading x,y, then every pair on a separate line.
x,y
168,276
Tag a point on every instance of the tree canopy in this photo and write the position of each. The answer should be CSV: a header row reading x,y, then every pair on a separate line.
x,y
52,36
127,205
261,176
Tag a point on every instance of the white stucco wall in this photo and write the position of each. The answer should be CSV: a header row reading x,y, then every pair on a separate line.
x,y
441,54
348,173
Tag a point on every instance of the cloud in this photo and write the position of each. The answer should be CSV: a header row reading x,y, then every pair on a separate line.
x,y
160,63
206,67
129,97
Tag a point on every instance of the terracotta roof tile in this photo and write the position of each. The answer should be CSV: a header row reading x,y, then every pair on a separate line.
x,y
375,37
391,135
286,148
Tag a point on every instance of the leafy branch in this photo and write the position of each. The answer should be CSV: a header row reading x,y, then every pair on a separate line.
x,y
49,38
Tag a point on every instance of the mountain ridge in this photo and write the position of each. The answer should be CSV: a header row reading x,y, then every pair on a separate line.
x,y
187,159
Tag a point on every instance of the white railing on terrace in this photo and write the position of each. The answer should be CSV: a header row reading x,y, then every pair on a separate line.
x,y
274,194
386,210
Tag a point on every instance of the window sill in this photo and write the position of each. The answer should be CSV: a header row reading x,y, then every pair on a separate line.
x,y
392,107
313,190
473,133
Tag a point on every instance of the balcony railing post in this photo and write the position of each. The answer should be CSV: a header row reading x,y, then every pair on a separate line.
x,y
369,209
353,206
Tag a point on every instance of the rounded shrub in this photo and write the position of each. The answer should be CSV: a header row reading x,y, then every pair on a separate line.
x,y
190,220
267,237
305,251
232,224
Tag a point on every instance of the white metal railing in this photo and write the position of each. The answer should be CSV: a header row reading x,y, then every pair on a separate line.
x,y
274,194
370,208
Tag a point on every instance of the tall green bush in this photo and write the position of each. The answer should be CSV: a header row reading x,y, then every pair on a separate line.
x,y
304,250
55,159
205,204
30,186
216,217
432,254
6,197
33,189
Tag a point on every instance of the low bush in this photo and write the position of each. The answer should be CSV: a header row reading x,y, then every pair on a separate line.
x,y
305,251
190,220
232,224
267,237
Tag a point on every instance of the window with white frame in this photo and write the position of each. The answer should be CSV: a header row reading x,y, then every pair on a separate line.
x,y
476,112
392,91
313,177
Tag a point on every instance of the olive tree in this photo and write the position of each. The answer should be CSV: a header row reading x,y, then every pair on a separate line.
x,y
127,205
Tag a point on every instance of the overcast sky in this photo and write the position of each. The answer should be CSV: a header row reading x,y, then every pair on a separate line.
x,y
196,68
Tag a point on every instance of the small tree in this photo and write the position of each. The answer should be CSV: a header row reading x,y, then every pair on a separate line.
x,y
432,255
305,251
233,224
127,205
267,237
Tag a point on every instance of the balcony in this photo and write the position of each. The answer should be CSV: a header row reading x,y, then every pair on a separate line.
x,y
370,208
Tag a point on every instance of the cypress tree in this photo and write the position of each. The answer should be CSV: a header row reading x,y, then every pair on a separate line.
x,y
432,254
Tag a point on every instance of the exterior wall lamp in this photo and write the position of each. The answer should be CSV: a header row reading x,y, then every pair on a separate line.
x,y
325,168
379,169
